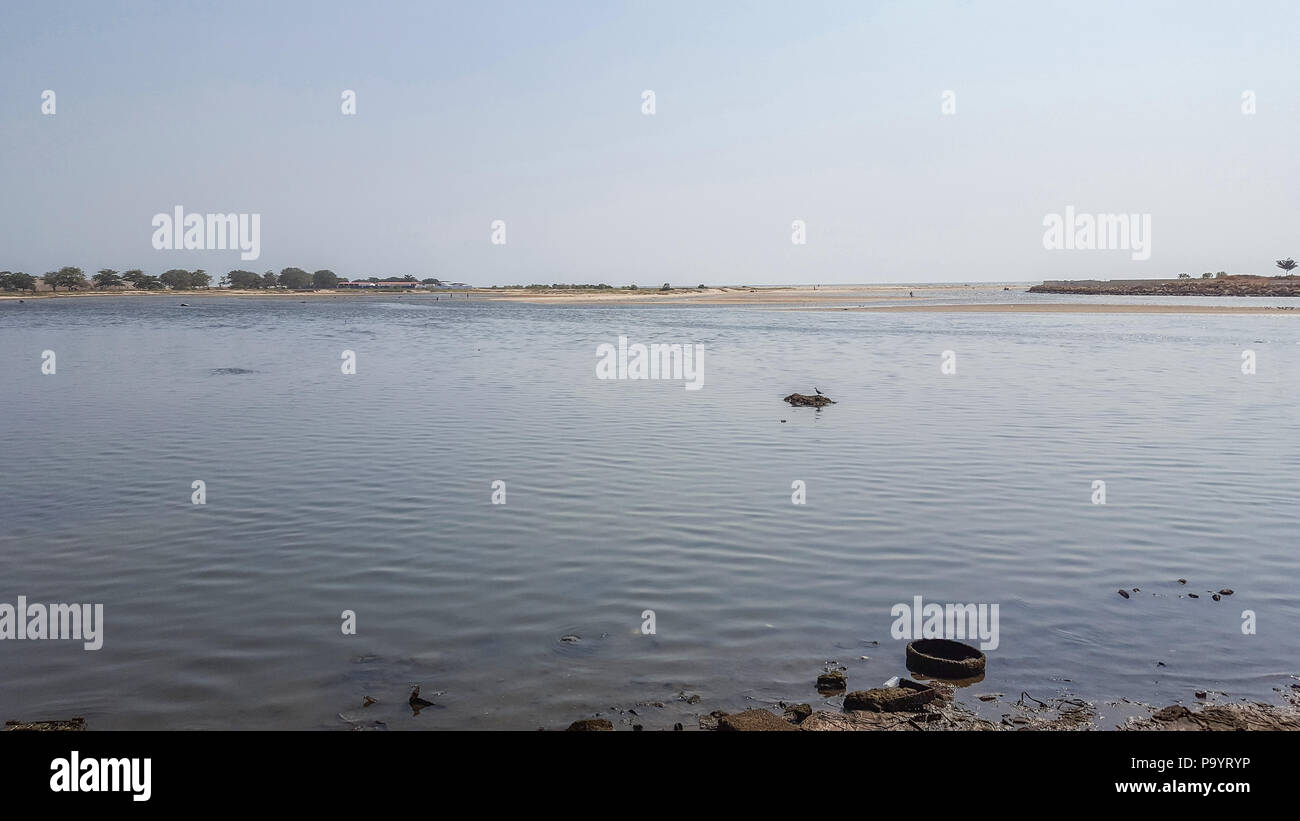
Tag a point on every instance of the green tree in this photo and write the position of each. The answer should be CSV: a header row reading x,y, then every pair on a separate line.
x,y
1286,265
6,281
68,277
244,280
149,283
22,282
107,278
178,279
269,280
132,276
1184,276
325,278
200,279
295,279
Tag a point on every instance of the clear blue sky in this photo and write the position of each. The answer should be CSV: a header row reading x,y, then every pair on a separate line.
x,y
766,113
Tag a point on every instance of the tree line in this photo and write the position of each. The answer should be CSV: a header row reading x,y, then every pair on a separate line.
x,y
179,279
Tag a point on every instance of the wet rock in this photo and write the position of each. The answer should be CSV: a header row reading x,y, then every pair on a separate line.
x,y
677,728
1182,581
591,725
833,680
1123,593
756,720
367,701
908,695
797,713
1192,596
1216,597
1227,591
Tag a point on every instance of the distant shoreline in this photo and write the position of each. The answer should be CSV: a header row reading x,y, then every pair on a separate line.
x,y
1235,285
886,298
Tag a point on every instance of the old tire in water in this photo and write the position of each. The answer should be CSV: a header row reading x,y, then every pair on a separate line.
x,y
908,695
944,658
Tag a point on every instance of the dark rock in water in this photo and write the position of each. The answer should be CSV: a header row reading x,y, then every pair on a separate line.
x,y
798,712
416,702
800,400
677,728
367,702
756,720
1227,591
834,680
1216,597
1124,593
56,725
1192,596
571,639
1200,694
591,725
1182,581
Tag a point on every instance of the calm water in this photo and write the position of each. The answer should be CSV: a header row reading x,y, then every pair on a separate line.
x,y
372,493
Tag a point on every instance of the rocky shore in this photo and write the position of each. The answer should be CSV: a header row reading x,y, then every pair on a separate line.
x,y
1239,285
943,713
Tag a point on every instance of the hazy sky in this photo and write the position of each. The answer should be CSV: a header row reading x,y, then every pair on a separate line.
x,y
766,113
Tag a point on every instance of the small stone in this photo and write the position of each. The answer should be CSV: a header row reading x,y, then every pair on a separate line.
x,y
1227,591
1182,581
693,699
1200,694
367,702
677,728
1124,593
1192,596
1216,597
